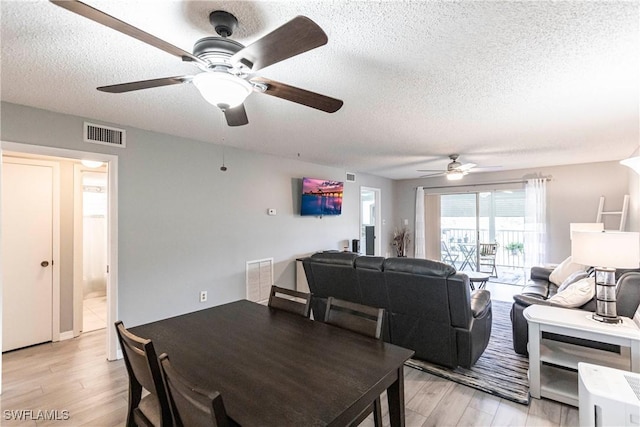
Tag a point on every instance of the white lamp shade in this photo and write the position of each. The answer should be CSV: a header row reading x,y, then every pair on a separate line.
x,y
613,249
222,89
633,163
585,226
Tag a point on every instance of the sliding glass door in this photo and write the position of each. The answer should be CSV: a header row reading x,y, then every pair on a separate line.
x,y
471,223
459,230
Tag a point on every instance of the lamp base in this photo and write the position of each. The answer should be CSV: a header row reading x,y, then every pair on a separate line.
x,y
606,319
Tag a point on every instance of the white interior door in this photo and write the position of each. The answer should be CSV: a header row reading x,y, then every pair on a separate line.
x,y
27,251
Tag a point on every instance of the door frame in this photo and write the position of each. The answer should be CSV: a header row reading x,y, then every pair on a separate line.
x,y
55,239
378,219
112,230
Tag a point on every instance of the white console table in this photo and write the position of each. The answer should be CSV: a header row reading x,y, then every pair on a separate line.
x,y
553,364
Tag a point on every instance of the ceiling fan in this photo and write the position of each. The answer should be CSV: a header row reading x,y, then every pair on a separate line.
x,y
455,170
227,67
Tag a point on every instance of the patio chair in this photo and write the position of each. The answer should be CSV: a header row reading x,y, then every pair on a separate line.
x,y
488,258
446,255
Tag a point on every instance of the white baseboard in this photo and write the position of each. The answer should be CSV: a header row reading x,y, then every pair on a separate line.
x,y
67,335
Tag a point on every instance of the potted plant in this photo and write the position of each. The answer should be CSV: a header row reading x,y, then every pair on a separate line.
x,y
515,248
401,241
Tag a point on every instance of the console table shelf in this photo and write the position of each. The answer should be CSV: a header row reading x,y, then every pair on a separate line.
x,y
568,355
559,384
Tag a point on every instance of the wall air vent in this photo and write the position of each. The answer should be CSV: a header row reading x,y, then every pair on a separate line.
x,y
351,177
259,279
105,135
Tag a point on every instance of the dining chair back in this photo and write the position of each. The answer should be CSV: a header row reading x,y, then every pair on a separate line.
x,y
358,318
364,320
190,406
144,373
289,300
488,253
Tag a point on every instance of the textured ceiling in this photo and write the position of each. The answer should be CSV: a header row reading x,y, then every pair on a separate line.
x,y
503,83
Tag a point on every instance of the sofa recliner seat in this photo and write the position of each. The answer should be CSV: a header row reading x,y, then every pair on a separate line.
x,y
429,307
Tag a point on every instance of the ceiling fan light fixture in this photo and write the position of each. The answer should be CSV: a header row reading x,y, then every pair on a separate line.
x,y
455,175
221,89
93,164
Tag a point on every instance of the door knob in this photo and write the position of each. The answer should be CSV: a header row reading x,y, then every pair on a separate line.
x,y
44,263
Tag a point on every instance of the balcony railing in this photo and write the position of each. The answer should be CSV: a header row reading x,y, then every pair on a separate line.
x,y
504,257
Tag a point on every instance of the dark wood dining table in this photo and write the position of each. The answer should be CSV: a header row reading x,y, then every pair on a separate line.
x,y
274,368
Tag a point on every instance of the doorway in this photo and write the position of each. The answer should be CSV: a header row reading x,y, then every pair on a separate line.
x,y
370,221
43,152
90,246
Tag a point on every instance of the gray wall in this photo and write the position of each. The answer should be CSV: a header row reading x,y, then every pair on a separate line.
x,y
185,226
572,196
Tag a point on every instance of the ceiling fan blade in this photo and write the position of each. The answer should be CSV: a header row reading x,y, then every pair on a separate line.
x,y
300,96
486,169
467,166
299,35
236,116
100,17
432,174
430,170
145,84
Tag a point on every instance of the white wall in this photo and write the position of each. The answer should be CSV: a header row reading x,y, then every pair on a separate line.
x,y
633,222
572,196
185,226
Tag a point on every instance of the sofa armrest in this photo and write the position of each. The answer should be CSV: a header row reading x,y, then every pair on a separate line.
x,y
527,300
541,272
480,302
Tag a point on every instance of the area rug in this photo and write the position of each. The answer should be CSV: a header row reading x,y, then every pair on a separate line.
x,y
499,371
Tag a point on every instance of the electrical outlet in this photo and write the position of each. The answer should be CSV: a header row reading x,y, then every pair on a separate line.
x,y
203,296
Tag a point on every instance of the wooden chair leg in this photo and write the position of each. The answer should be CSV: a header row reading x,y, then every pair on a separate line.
x,y
377,413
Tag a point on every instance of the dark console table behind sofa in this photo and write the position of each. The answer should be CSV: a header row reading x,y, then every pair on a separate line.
x,y
429,306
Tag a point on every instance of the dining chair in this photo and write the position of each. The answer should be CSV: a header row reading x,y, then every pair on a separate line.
x,y
488,253
190,406
143,368
364,320
289,300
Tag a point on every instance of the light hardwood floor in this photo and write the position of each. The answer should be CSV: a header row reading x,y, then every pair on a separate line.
x,y
74,376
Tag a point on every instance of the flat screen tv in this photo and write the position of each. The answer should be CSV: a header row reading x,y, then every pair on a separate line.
x,y
321,197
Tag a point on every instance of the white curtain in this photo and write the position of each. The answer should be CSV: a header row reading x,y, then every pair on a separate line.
x,y
419,226
535,223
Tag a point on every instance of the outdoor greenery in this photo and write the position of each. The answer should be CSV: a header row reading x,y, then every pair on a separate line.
x,y
515,247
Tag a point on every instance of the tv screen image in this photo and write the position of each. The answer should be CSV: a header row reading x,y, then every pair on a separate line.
x,y
321,197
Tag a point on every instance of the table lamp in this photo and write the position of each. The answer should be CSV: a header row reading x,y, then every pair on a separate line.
x,y
606,251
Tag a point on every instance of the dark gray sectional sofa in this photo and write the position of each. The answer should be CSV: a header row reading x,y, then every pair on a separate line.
x,y
429,307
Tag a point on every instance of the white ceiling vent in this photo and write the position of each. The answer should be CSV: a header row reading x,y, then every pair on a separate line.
x,y
105,135
351,177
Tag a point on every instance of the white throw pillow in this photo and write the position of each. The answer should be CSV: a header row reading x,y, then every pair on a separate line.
x,y
564,270
574,277
576,294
